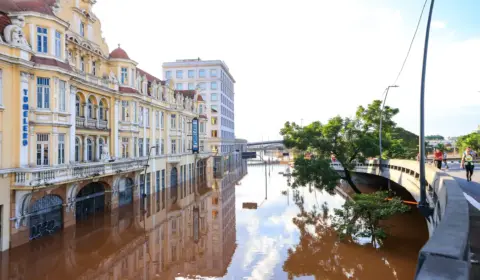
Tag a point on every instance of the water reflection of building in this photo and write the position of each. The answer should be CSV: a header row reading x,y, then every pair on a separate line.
x,y
179,231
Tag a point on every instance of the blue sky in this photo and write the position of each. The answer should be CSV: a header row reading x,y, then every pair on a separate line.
x,y
314,59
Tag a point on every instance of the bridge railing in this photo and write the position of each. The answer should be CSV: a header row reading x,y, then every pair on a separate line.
x,y
446,254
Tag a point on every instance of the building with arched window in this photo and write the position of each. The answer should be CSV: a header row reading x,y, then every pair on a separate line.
x,y
78,114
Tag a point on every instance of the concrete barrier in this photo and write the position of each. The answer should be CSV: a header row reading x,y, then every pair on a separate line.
x,y
446,254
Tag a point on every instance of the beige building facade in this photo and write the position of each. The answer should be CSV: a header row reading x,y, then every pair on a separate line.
x,y
80,124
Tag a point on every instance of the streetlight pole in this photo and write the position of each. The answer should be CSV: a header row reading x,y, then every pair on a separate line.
x,y
381,120
423,204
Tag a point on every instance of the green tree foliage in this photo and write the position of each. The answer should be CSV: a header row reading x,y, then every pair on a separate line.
x,y
350,140
361,216
471,140
434,137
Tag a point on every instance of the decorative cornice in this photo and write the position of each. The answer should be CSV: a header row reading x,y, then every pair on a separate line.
x,y
43,16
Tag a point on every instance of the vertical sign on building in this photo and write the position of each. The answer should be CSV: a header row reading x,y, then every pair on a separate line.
x,y
196,215
195,135
25,117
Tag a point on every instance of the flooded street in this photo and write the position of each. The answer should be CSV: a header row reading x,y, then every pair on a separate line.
x,y
209,234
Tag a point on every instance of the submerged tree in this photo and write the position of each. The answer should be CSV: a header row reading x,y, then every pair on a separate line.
x,y
361,216
350,141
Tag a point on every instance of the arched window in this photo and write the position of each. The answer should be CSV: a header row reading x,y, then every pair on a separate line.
x,y
101,144
101,111
90,109
89,149
77,149
77,106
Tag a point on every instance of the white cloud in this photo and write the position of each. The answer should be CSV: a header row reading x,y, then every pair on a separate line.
x,y
300,61
437,24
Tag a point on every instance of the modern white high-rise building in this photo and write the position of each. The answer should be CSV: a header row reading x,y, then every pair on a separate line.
x,y
216,85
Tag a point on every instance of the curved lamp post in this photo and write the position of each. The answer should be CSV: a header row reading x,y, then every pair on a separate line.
x,y
423,204
381,120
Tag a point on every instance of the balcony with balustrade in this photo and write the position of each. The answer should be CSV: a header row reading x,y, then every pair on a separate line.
x,y
43,177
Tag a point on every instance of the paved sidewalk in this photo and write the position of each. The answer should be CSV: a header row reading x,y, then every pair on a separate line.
x,y
471,190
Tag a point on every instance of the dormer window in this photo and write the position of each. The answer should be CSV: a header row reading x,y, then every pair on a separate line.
x,y
124,76
82,29
42,40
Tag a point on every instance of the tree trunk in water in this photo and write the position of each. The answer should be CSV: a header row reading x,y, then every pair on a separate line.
x,y
348,178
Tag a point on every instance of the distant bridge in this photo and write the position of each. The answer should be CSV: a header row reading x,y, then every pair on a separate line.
x,y
266,145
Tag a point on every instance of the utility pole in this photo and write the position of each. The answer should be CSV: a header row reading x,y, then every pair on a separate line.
x,y
423,204
381,121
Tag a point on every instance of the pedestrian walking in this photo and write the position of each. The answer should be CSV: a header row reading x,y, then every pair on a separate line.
x,y
445,159
438,156
467,162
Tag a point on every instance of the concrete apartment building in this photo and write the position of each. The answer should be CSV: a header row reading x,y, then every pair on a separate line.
x,y
215,83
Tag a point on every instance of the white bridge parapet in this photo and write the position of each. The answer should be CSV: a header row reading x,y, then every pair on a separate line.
x,y
446,255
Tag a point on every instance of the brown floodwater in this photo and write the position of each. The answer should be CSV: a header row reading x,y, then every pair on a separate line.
x,y
224,230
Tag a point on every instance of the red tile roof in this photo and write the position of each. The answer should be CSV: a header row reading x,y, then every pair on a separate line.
x,y
189,93
40,6
127,90
150,77
119,53
50,62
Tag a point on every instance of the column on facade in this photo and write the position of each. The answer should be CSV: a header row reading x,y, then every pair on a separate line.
x,y
131,152
97,114
97,148
107,118
85,148
115,129
54,147
168,123
144,118
73,92
32,153
153,131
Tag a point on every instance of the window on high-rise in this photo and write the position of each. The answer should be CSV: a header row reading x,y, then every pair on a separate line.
x,y
173,121
179,74
214,133
213,97
191,86
213,72
168,75
179,86
201,73
191,74
214,109
213,85
214,120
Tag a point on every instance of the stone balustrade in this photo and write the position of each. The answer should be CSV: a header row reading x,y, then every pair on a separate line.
x,y
32,177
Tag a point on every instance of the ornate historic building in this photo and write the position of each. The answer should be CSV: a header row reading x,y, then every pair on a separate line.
x,y
78,122
179,234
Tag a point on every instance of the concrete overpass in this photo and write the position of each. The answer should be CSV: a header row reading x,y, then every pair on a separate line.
x,y
265,145
446,255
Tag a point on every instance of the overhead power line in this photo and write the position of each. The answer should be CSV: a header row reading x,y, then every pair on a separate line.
x,y
411,43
